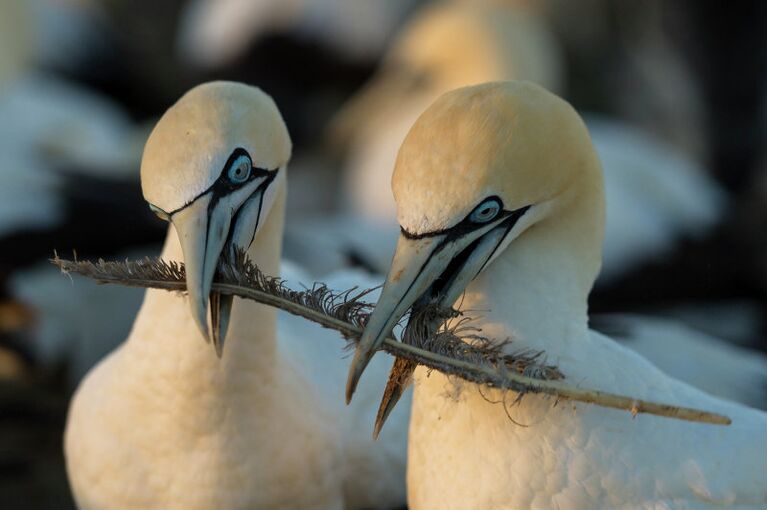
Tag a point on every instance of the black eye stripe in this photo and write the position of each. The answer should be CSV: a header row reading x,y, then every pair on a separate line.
x,y
466,224
223,186
453,233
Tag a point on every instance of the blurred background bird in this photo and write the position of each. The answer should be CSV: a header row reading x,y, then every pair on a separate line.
x,y
674,94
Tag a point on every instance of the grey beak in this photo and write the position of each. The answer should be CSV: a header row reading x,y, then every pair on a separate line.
x,y
202,234
418,263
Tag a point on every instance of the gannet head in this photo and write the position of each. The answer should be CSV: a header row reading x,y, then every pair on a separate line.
x,y
209,167
480,166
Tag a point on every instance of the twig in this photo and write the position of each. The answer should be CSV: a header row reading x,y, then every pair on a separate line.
x,y
344,312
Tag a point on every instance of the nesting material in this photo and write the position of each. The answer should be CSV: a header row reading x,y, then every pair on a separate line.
x,y
455,350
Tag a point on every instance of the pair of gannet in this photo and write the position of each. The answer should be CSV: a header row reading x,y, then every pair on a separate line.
x,y
655,195
500,202
162,422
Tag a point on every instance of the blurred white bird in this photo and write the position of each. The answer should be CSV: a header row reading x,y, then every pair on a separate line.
x,y
51,130
49,124
55,137
712,365
655,196
162,422
213,33
501,207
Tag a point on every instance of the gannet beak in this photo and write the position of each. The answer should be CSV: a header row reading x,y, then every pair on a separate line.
x,y
415,265
205,228
203,232
428,269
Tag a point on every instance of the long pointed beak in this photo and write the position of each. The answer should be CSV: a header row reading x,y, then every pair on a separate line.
x,y
202,231
442,265
416,264
204,228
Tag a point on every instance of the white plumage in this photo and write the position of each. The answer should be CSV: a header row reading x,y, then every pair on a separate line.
x,y
374,470
162,422
712,365
502,179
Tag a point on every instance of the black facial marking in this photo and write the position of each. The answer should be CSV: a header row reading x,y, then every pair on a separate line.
x,y
465,225
224,186
508,225
460,229
258,216
236,218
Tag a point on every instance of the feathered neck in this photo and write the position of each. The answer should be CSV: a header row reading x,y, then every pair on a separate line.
x,y
167,342
537,290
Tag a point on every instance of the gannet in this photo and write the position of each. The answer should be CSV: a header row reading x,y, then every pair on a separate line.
x,y
162,422
427,59
500,202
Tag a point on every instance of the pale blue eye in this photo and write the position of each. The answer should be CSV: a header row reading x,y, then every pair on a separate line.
x,y
485,212
240,170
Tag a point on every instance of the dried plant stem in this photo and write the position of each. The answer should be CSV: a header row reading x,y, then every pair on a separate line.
x,y
492,376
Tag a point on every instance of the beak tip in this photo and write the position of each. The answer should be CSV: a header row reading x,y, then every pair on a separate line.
x,y
350,387
220,311
200,314
359,363
383,414
218,338
218,345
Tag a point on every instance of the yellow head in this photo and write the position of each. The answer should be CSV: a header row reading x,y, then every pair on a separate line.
x,y
479,169
513,140
212,166
192,141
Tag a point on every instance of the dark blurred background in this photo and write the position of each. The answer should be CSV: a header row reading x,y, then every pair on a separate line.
x,y
676,89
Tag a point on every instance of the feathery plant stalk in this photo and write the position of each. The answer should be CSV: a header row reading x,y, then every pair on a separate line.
x,y
455,350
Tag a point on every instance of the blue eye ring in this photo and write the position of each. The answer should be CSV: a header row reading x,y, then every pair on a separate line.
x,y
240,169
485,211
